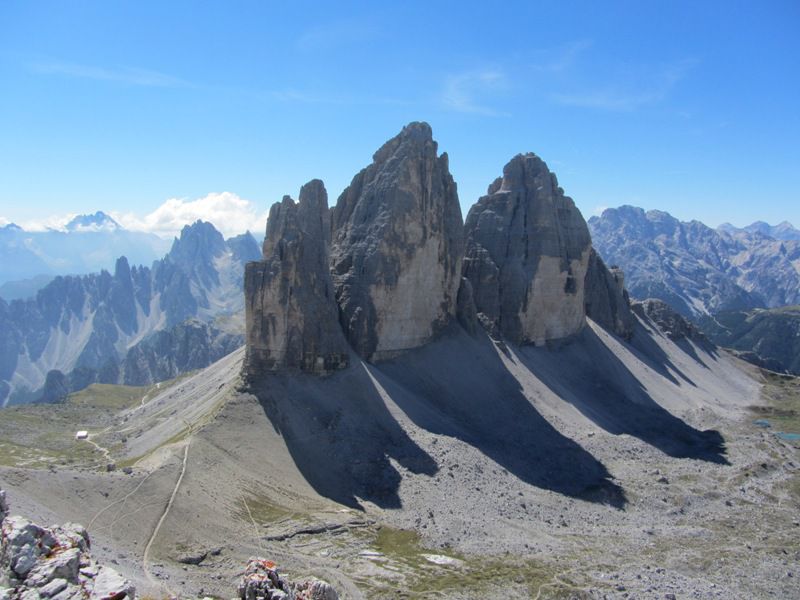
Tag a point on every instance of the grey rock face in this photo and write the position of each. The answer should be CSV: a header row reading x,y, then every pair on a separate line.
x,y
36,562
291,314
696,269
607,302
397,246
527,253
670,322
467,313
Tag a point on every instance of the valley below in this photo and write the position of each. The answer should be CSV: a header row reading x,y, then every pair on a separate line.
x,y
389,482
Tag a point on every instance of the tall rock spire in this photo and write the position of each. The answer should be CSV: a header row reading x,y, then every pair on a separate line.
x,y
396,247
527,252
291,315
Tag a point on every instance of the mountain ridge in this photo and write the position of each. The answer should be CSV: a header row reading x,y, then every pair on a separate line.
x,y
696,269
91,321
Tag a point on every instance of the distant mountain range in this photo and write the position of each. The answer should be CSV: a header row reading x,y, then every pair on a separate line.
x,y
86,326
738,284
87,244
696,269
783,231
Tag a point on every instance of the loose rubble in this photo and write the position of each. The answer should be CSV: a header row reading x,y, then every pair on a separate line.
x,y
36,562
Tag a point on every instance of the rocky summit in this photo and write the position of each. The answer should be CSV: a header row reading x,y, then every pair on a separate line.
x,y
527,255
396,247
392,264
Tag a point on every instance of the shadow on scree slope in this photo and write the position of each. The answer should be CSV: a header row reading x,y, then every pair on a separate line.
x,y
601,387
341,430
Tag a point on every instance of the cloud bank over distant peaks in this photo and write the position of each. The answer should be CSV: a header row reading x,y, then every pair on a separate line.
x,y
228,212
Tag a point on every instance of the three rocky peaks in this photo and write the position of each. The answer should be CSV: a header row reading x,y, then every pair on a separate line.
x,y
393,264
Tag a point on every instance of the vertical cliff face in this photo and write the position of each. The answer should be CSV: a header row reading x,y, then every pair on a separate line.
x,y
527,253
382,272
607,302
291,314
397,246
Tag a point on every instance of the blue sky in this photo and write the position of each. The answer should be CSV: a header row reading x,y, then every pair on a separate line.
x,y
693,107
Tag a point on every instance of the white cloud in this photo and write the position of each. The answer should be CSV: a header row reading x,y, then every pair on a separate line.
x,y
561,58
126,75
53,222
467,92
334,34
228,212
4,222
598,210
629,96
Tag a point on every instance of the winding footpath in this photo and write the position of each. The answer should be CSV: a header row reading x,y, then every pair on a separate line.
x,y
145,557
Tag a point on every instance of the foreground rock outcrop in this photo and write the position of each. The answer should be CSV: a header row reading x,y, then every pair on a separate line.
x,y
262,581
396,247
292,320
527,253
36,562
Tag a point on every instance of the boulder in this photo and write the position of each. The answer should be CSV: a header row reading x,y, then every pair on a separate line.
x,y
262,581
397,239
527,254
292,320
55,563
314,589
110,585
607,302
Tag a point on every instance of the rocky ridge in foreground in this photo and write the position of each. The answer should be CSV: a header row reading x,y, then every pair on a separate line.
x,y
55,563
